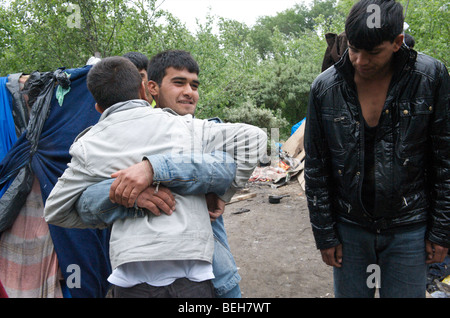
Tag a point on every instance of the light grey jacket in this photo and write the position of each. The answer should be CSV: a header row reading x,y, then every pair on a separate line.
x,y
124,134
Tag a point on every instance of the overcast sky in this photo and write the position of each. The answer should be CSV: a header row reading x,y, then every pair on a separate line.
x,y
246,11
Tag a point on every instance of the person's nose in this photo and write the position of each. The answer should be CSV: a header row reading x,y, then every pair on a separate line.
x,y
362,59
187,90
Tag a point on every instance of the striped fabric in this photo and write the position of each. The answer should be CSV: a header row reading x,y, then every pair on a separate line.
x,y
28,263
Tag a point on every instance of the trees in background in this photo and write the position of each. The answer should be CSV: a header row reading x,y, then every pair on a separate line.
x,y
259,74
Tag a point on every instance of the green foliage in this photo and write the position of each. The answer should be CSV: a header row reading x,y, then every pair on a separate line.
x,y
251,114
429,25
260,74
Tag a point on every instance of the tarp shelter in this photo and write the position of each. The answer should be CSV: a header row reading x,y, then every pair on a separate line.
x,y
61,108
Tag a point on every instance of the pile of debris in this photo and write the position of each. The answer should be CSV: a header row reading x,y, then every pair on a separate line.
x,y
438,279
286,164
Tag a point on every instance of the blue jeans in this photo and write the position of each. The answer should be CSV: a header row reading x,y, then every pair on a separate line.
x,y
399,257
226,281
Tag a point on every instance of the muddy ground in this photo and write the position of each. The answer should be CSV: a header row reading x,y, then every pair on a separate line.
x,y
274,247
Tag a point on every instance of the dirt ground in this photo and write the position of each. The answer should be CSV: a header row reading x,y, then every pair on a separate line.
x,y
273,245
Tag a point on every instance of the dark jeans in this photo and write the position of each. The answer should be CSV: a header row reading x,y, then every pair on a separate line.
x,y
181,288
398,253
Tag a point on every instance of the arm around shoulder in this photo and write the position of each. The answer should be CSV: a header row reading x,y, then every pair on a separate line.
x,y
59,207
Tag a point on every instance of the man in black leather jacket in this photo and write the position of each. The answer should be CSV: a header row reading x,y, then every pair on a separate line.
x,y
377,165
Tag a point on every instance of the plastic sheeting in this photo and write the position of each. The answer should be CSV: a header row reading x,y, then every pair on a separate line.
x,y
43,150
7,128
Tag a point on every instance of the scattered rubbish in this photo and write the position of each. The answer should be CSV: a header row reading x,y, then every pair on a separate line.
x,y
287,163
267,174
241,210
274,199
440,294
242,197
438,279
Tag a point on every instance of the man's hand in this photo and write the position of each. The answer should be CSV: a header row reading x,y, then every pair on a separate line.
x,y
435,253
216,206
130,183
163,200
332,256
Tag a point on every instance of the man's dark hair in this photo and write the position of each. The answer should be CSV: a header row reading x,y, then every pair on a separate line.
x,y
177,59
363,35
138,59
409,40
113,80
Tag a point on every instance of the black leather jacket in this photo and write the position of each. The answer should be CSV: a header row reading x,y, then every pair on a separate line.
x,y
412,151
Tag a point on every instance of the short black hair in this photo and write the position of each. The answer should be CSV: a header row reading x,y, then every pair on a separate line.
x,y
177,59
409,40
361,35
113,80
138,59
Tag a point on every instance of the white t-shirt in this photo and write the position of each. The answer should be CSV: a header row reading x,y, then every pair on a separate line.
x,y
160,273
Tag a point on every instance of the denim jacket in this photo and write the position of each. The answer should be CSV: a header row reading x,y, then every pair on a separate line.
x,y
214,174
203,174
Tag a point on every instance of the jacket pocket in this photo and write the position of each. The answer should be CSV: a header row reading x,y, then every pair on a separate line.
x,y
414,119
337,127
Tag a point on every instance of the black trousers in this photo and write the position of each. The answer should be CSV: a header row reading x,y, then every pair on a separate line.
x,y
180,288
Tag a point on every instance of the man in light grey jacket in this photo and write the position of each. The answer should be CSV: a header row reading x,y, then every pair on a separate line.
x,y
143,249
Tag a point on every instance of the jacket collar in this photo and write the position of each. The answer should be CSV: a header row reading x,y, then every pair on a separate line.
x,y
124,106
132,104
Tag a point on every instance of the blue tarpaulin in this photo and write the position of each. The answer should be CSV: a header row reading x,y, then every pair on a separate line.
x,y
7,128
296,126
44,147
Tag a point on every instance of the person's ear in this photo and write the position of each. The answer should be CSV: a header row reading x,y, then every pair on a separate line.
x,y
153,88
398,42
98,108
142,94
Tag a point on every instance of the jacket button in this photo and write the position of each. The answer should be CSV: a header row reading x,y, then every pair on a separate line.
x,y
430,108
405,112
386,111
358,173
340,172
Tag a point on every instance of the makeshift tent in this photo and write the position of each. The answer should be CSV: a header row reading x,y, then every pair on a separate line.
x,y
61,108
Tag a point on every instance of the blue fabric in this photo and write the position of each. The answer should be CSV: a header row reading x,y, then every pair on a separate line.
x,y
206,173
296,126
227,278
89,249
400,257
7,129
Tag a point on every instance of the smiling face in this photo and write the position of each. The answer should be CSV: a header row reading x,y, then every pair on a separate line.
x,y
178,91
